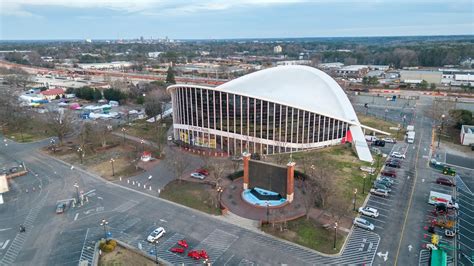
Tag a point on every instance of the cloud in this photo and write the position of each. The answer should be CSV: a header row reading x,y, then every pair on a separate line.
x,y
178,7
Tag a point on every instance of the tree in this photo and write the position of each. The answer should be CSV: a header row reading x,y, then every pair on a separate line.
x,y
114,95
309,193
433,86
170,76
60,122
423,85
153,106
324,183
461,117
217,170
177,164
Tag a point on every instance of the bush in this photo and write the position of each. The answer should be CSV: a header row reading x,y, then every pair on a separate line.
x,y
112,242
108,248
236,175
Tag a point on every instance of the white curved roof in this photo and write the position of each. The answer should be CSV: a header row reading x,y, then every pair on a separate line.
x,y
300,86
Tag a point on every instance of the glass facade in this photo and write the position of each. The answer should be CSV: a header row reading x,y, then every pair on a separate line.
x,y
234,123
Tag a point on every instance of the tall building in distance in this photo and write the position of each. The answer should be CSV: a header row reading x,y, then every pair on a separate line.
x,y
276,110
277,49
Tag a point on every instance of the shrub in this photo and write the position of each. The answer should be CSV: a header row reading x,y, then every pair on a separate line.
x,y
108,248
112,242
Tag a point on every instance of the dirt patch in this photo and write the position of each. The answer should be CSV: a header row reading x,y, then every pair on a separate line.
x,y
123,256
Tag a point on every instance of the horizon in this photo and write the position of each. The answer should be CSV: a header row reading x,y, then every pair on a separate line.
x,y
245,38
231,19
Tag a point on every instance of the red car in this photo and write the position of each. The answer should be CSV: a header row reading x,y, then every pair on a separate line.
x,y
183,243
389,173
202,171
194,254
203,254
445,181
177,250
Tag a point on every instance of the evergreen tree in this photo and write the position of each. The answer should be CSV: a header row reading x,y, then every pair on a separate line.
x,y
170,76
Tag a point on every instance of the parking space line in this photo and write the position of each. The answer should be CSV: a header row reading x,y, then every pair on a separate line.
x,y
376,202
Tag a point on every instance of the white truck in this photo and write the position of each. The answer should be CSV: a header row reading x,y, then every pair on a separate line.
x,y
411,136
410,128
437,198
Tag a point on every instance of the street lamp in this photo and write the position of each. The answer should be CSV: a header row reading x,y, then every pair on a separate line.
x,y
268,211
113,169
441,129
155,243
53,142
335,234
104,224
354,200
81,153
123,133
363,186
77,191
219,194
143,145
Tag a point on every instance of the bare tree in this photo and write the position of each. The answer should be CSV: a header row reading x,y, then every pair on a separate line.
x,y
177,164
60,122
217,172
324,183
309,193
338,206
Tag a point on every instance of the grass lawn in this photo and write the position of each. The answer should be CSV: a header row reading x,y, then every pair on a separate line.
x,y
98,159
122,256
148,131
192,194
345,167
381,124
32,131
309,234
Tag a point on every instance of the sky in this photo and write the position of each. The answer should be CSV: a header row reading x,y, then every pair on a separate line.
x,y
223,19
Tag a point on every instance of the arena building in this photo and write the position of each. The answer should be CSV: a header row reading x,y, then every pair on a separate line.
x,y
280,109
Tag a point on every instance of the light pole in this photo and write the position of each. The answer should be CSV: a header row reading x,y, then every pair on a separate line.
x,y
156,251
219,195
363,185
77,191
143,144
113,169
335,234
354,200
81,153
104,224
440,129
123,133
268,212
385,115
53,142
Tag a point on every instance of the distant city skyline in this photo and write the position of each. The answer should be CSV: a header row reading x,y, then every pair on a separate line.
x,y
231,19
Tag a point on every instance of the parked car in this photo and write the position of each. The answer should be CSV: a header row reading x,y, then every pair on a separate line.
x,y
177,250
393,164
202,171
380,143
389,173
194,254
393,160
384,182
445,181
379,192
183,243
386,179
363,223
389,140
198,176
156,234
379,185
398,155
60,207
170,138
367,211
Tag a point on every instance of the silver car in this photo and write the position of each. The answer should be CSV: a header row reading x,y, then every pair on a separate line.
x,y
363,223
